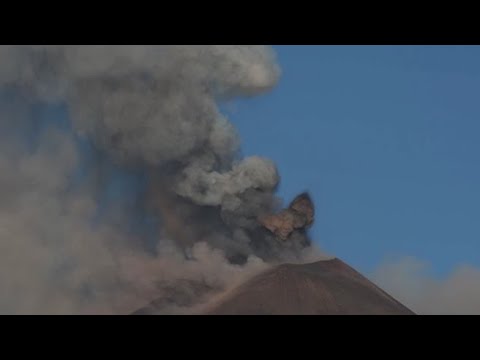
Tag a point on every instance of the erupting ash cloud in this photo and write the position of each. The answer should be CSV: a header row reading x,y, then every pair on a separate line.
x,y
146,109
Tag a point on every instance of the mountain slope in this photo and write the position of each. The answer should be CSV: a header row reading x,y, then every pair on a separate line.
x,y
322,288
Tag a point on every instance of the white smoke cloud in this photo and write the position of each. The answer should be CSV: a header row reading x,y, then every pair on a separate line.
x,y
409,281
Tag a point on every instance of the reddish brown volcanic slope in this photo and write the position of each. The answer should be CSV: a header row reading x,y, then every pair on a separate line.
x,y
322,288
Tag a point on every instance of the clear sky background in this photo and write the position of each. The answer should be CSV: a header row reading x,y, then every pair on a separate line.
x,y
385,138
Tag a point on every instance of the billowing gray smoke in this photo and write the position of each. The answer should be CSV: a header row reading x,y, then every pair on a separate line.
x,y
153,108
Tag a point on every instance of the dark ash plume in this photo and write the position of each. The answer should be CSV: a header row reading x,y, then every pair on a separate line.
x,y
148,109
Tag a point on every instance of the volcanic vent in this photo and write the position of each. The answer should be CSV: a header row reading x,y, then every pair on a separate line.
x,y
277,234
327,287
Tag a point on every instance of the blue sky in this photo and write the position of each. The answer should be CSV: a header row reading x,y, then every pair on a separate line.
x,y
385,139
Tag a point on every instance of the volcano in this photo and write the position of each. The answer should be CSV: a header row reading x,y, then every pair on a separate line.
x,y
328,287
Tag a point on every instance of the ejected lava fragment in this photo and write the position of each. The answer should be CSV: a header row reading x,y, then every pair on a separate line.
x,y
299,215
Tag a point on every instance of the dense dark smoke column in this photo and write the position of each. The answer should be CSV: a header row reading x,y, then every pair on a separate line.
x,y
149,110
156,107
